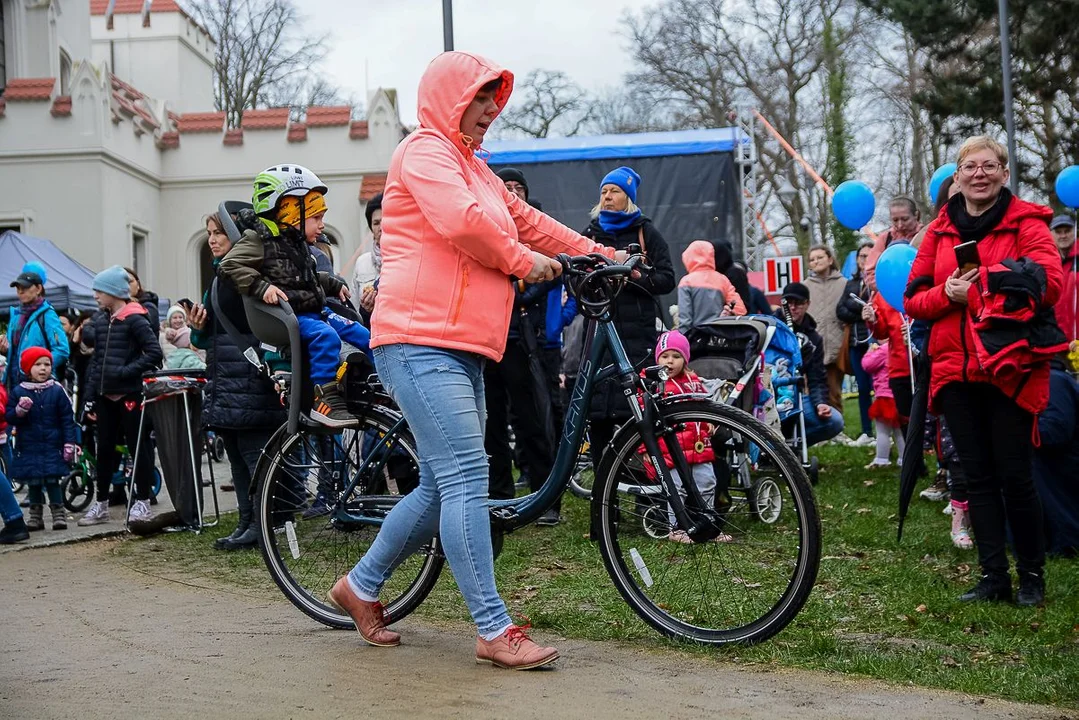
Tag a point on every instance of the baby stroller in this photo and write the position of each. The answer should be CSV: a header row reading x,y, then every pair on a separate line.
x,y
754,363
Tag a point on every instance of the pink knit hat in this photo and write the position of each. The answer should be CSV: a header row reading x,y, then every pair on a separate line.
x,y
673,340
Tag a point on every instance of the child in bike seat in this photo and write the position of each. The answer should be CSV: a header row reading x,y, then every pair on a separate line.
x,y
273,262
40,413
672,351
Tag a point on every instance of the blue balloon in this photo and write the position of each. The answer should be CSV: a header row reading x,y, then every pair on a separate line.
x,y
853,204
943,173
35,267
1067,186
893,272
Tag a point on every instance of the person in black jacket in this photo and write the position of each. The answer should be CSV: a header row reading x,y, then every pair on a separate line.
x,y
144,297
618,223
125,347
823,422
239,401
849,311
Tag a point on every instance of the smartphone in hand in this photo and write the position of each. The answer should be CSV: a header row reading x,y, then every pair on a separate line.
x,y
966,256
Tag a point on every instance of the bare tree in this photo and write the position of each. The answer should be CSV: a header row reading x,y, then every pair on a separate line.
x,y
626,110
703,58
549,103
264,57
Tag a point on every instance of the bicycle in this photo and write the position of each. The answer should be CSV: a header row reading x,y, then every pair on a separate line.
x,y
79,484
742,591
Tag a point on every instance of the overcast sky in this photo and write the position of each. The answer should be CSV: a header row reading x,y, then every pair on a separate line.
x,y
397,38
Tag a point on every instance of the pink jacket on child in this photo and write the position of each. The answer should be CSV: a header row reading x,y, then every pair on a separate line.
x,y
451,232
875,362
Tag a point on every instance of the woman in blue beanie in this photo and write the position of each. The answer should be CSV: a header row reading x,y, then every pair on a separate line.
x,y
619,223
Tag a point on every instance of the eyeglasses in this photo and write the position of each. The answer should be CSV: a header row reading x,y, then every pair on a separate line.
x,y
989,168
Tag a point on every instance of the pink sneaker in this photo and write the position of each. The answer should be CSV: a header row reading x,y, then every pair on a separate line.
x,y
514,650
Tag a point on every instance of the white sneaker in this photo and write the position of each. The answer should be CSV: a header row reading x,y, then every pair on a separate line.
x,y
140,512
96,515
864,441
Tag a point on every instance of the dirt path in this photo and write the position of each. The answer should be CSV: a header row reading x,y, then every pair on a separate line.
x,y
86,637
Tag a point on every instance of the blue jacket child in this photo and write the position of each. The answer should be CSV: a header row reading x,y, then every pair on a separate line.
x,y
40,413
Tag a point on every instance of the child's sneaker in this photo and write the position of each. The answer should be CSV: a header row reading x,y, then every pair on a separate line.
x,y
140,512
680,536
938,490
877,464
96,515
329,407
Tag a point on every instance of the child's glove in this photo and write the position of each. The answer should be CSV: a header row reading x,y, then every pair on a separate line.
x,y
22,408
70,452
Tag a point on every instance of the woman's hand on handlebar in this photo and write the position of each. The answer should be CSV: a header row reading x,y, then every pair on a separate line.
x,y
274,295
543,269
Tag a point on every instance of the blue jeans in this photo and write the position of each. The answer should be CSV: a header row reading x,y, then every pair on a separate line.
x,y
819,430
9,504
322,334
865,386
441,395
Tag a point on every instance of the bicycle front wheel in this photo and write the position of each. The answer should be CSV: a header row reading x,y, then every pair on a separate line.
x,y
746,585
306,547
78,491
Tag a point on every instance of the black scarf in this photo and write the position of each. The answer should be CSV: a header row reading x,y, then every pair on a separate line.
x,y
976,227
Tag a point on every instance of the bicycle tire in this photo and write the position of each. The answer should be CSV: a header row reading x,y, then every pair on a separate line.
x,y
278,498
749,583
78,492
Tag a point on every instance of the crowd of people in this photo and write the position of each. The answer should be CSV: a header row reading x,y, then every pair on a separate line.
x,y
462,310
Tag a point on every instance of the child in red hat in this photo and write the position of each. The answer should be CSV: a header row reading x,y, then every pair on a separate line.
x,y
40,413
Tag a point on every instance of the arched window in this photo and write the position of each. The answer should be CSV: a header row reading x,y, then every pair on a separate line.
x,y
65,73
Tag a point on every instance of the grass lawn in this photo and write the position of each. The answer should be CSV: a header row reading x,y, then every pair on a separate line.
x,y
879,609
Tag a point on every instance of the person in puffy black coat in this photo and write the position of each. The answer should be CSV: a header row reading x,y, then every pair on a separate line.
x,y
125,347
239,402
617,222
144,297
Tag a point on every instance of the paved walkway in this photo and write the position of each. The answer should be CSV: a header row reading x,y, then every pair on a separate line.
x,y
74,533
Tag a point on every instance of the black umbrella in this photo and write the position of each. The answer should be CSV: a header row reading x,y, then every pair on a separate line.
x,y
913,460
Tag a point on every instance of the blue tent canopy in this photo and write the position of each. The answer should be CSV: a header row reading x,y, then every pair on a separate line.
x,y
68,285
608,147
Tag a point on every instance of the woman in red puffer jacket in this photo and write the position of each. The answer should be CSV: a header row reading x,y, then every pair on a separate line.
x,y
991,414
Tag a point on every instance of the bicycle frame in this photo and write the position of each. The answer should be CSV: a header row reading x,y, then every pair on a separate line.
x,y
508,515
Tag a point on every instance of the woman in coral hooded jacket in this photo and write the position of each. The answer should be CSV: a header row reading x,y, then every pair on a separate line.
x,y
452,236
991,414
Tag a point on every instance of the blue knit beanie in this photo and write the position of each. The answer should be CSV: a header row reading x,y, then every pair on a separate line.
x,y
113,281
625,178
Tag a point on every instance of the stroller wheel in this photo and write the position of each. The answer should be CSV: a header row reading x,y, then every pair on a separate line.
x,y
813,470
767,500
656,523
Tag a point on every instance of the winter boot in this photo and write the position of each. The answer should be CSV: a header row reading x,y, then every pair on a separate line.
x,y
37,520
15,531
248,539
59,517
329,406
241,526
1031,589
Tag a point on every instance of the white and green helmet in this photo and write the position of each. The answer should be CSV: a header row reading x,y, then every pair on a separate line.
x,y
274,183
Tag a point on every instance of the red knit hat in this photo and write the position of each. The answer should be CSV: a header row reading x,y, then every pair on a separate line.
x,y
32,355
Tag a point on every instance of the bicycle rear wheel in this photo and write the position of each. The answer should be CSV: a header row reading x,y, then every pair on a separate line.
x,y
306,549
743,589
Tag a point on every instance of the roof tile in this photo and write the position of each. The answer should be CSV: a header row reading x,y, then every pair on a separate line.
x,y
268,119
132,7
297,132
235,136
358,130
373,184
169,140
328,116
29,89
61,106
201,122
